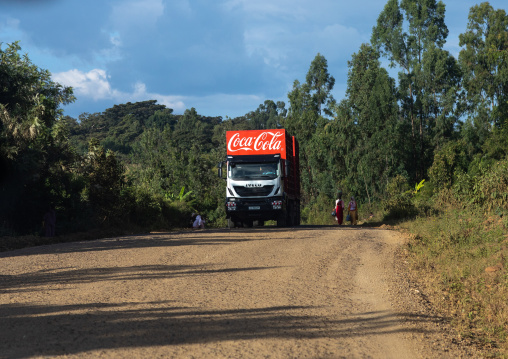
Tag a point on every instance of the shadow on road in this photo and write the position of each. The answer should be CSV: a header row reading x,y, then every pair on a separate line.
x,y
33,281
179,238
61,330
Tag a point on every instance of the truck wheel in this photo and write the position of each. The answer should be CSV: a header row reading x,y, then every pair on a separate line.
x,y
248,224
298,215
231,223
259,223
289,214
282,220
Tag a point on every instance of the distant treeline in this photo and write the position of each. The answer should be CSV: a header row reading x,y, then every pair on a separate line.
x,y
444,119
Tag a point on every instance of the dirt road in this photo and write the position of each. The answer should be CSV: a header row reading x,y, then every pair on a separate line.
x,y
311,292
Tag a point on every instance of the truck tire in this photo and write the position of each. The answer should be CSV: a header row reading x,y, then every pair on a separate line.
x,y
282,220
298,218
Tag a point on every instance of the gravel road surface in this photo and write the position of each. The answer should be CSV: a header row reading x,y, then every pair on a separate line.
x,y
307,292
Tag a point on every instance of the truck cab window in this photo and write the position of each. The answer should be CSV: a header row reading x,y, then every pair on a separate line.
x,y
249,171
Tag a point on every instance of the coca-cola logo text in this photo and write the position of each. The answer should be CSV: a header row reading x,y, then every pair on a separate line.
x,y
265,141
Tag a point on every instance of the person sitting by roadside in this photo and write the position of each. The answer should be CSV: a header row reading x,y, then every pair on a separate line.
x,y
199,222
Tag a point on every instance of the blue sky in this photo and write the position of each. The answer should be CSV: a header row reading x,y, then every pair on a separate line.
x,y
222,57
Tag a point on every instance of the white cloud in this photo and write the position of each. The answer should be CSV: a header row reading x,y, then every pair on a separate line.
x,y
95,85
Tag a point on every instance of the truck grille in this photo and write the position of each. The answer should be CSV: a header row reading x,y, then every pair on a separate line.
x,y
253,191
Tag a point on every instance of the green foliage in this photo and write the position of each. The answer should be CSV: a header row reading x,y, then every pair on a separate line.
x,y
267,115
151,168
399,204
152,211
318,211
448,159
411,35
366,128
305,121
34,151
105,182
485,185
484,60
119,127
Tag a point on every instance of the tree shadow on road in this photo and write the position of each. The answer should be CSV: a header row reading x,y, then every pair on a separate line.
x,y
45,330
207,237
62,277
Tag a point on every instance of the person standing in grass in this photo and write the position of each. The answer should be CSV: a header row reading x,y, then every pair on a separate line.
x,y
353,210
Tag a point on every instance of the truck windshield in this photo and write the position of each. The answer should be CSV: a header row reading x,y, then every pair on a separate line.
x,y
247,171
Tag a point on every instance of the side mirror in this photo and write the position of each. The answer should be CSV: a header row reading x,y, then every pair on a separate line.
x,y
287,169
219,166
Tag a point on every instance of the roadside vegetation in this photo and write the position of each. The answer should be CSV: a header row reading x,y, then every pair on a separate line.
x,y
426,152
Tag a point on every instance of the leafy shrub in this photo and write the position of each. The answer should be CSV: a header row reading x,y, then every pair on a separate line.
x,y
447,159
399,203
318,211
484,185
493,187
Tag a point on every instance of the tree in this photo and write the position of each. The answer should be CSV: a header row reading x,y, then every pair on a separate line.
x,y
320,84
405,44
267,115
118,127
484,61
366,127
35,156
105,181
305,122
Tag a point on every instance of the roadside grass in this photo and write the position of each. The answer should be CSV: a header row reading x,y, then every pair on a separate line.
x,y
460,256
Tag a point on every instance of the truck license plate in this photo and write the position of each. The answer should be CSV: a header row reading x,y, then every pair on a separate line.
x,y
254,207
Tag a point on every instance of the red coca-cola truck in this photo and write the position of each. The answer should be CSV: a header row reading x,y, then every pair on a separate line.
x,y
262,172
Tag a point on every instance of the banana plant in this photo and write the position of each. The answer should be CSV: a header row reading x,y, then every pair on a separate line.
x,y
182,196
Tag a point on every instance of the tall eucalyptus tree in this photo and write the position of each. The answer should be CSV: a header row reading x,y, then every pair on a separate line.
x,y
484,61
367,126
304,120
406,34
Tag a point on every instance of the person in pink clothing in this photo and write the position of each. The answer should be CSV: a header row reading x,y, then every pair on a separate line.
x,y
353,210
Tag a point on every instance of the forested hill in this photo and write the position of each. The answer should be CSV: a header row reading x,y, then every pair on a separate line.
x,y
119,127
444,119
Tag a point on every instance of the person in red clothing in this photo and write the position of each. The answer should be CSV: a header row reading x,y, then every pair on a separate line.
x,y
339,210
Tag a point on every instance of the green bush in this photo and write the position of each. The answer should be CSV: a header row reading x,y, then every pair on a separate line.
x,y
447,160
484,185
493,187
318,211
399,203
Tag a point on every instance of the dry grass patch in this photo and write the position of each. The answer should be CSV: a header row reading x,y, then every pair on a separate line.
x,y
461,258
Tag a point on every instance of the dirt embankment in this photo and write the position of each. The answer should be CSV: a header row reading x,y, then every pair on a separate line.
x,y
310,292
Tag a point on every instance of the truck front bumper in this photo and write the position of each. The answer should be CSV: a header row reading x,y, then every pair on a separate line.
x,y
254,208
